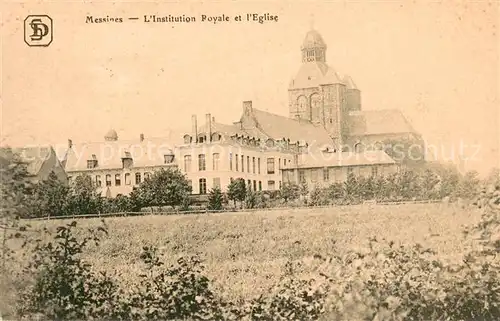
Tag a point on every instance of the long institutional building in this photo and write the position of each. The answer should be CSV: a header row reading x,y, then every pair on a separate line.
x,y
324,137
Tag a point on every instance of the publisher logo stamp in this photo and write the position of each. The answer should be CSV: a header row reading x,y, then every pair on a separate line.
x,y
38,30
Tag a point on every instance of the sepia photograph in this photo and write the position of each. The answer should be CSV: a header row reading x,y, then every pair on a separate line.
x,y
238,160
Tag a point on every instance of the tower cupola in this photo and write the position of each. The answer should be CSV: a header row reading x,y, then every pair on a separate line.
x,y
313,48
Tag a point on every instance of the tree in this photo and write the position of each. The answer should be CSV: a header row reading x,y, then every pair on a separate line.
x,y
351,188
85,199
449,180
50,198
468,186
215,199
14,185
120,203
319,196
408,184
236,191
493,177
428,185
289,192
166,187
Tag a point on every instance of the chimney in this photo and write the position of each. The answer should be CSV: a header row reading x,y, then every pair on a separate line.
x,y
247,106
194,130
209,127
70,143
141,137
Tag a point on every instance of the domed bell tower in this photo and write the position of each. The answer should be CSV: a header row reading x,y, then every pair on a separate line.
x,y
313,48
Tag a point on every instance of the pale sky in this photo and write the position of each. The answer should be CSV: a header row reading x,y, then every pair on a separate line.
x,y
437,63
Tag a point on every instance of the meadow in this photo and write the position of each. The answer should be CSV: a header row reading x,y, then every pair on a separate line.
x,y
245,253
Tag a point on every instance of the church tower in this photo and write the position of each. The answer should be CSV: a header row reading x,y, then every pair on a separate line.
x,y
320,95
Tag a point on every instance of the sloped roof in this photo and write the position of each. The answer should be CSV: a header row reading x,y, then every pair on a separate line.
x,y
108,154
313,39
278,127
269,125
313,74
319,159
39,160
223,129
373,122
34,157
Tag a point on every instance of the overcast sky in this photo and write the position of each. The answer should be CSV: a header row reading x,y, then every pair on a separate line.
x,y
437,63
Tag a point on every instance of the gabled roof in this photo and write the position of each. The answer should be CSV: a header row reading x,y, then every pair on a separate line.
x,y
223,129
265,125
320,159
278,127
313,39
373,122
109,154
313,74
39,160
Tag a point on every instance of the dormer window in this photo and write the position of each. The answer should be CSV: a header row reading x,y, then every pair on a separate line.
x,y
270,143
92,163
127,161
187,139
168,158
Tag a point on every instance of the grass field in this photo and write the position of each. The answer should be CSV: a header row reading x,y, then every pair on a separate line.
x,y
244,253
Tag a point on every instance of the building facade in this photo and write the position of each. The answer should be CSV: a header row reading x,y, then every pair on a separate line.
x,y
265,149
321,95
324,168
116,167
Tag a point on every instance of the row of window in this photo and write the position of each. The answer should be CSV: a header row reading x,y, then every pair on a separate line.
x,y
127,161
252,185
116,180
252,164
326,173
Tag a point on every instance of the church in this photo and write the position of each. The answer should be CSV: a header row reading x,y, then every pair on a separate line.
x,y
325,136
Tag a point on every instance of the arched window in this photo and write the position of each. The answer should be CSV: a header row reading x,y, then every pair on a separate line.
x,y
203,186
315,107
147,175
108,180
378,145
118,180
98,180
127,178
301,104
358,148
216,137
187,139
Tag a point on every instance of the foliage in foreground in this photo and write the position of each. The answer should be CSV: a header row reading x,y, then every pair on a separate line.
x,y
383,281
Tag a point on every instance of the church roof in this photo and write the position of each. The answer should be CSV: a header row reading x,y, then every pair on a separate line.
x,y
349,83
269,125
313,39
321,159
313,74
373,122
223,129
109,154
278,127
